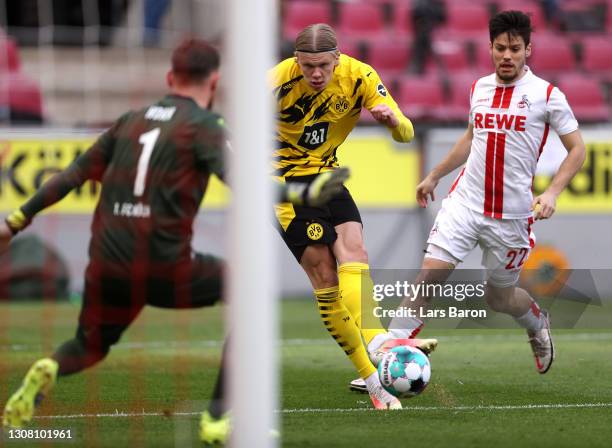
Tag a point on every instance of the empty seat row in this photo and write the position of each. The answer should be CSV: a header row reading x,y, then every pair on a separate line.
x,y
369,18
18,92
435,98
550,54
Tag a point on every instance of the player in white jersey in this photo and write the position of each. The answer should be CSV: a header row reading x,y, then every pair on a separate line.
x,y
490,203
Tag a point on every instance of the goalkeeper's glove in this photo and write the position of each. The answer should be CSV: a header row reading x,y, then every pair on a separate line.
x,y
16,221
320,190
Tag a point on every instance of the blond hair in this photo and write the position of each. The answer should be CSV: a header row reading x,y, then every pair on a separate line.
x,y
316,38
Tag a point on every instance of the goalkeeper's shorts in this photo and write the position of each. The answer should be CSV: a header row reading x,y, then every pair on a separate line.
x,y
113,298
301,226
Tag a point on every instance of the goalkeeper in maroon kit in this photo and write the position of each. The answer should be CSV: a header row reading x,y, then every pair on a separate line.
x,y
154,165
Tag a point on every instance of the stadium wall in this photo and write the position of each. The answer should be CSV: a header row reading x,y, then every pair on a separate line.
x,y
383,183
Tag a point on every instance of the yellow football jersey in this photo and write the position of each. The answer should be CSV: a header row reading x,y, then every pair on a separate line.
x,y
312,125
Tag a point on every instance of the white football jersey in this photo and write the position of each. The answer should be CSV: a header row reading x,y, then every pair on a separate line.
x,y
511,124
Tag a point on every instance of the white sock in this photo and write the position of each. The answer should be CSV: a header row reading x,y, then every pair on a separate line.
x,y
532,319
372,381
377,341
404,327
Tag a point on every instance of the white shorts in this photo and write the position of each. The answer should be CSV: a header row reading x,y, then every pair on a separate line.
x,y
505,243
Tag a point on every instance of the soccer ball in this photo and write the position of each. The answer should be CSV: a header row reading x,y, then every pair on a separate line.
x,y
404,371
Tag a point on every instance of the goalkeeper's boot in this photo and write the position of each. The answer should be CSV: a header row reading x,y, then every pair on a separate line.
x,y
37,383
425,345
214,431
383,400
542,345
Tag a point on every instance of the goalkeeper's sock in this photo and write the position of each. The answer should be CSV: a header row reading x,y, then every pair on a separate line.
x,y
74,356
216,409
352,277
343,329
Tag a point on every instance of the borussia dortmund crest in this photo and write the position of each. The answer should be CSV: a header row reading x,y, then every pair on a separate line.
x,y
314,231
341,105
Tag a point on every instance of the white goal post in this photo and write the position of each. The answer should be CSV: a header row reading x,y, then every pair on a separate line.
x,y
253,380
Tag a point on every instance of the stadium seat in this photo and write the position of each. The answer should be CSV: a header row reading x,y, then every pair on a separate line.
x,y
482,54
597,55
551,55
533,10
351,48
583,16
584,94
360,20
402,19
389,57
422,98
465,21
301,13
21,94
460,87
9,56
452,54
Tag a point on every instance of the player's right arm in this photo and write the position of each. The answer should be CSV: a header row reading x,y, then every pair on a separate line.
x,y
90,165
384,109
456,157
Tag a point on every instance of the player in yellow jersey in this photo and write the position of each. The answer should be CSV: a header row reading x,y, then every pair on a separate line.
x,y
320,93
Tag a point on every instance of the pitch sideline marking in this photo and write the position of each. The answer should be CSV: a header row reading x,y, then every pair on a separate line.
x,y
205,343
119,414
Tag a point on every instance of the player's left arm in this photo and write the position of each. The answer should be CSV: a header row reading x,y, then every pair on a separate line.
x,y
562,120
384,109
90,165
545,204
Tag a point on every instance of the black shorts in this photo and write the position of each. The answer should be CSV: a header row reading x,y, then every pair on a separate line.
x,y
302,226
112,300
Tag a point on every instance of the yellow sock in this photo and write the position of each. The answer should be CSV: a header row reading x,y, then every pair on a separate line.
x,y
342,327
352,276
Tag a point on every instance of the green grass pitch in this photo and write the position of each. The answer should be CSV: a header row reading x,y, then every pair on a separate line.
x,y
484,392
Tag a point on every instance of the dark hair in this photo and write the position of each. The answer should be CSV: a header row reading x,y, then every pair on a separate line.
x,y
194,59
515,23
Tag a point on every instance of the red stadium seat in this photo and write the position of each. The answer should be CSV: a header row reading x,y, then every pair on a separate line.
x,y
585,97
402,19
484,63
20,93
452,53
597,55
551,55
532,9
350,48
301,13
422,98
390,57
465,21
460,88
360,20
9,56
